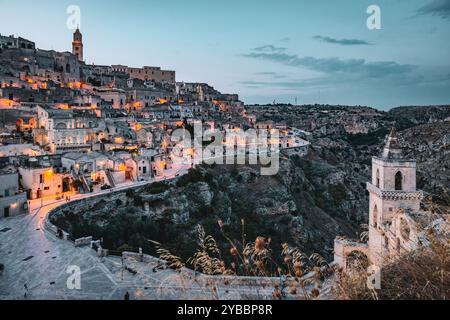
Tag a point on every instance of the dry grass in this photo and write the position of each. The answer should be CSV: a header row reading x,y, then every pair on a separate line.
x,y
254,259
420,275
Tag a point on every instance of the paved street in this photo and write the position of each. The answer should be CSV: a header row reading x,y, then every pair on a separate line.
x,y
39,260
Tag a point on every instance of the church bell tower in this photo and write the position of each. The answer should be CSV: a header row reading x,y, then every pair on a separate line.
x,y
77,44
393,187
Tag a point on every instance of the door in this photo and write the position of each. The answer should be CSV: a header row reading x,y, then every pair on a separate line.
x,y
6,212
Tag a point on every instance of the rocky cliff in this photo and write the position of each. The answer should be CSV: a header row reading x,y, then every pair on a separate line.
x,y
307,204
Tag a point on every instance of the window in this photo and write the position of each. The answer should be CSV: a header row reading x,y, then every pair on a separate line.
x,y
41,178
398,181
377,178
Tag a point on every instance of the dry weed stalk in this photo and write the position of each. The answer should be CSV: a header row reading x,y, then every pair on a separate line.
x,y
254,259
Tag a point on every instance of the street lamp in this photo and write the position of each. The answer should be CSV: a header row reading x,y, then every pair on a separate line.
x,y
42,194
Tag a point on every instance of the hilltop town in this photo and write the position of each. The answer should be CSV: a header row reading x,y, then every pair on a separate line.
x,y
69,127
87,155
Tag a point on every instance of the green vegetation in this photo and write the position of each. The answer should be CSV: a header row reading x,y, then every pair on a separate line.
x,y
371,138
157,187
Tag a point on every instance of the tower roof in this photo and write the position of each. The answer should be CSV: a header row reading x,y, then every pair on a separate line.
x,y
392,149
77,36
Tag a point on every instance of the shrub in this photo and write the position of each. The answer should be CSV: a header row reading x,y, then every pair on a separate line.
x,y
192,176
158,187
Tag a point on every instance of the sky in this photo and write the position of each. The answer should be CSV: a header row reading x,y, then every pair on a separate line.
x,y
318,51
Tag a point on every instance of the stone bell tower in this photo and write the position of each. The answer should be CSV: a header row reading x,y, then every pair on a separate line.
x,y
393,187
77,44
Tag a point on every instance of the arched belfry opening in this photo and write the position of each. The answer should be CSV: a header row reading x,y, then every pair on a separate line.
x,y
377,178
375,217
398,181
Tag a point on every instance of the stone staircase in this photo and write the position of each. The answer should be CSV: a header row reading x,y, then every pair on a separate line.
x,y
84,184
110,177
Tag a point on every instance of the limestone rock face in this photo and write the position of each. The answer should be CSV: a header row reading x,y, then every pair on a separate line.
x,y
202,192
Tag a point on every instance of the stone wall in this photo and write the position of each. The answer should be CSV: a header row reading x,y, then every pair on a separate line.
x,y
219,280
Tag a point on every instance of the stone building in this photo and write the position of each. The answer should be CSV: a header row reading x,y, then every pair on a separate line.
x,y
40,181
12,200
394,210
117,97
145,97
153,74
11,42
66,130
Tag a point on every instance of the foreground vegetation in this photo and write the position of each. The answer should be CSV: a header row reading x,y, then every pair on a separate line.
x,y
423,274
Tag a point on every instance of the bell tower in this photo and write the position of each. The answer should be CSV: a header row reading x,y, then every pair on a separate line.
x,y
393,187
77,44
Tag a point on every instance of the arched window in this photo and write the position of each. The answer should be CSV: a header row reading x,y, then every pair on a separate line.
x,y
398,181
377,178
375,216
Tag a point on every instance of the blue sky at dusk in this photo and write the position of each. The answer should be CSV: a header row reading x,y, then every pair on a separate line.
x,y
319,51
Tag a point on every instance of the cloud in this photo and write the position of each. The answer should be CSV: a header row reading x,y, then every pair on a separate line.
x,y
290,84
359,68
285,39
343,42
274,75
266,73
269,48
439,8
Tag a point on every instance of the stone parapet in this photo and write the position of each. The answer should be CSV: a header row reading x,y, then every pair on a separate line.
x,y
395,194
